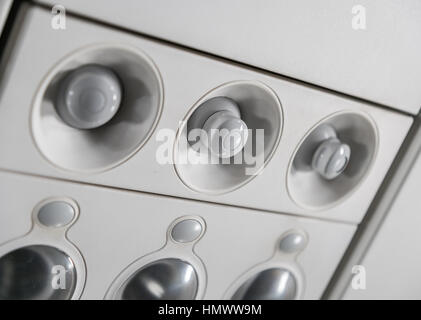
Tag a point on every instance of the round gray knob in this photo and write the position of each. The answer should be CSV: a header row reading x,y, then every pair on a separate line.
x,y
331,158
89,97
224,134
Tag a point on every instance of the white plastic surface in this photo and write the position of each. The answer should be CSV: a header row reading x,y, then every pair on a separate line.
x,y
129,226
39,47
315,41
393,261
5,6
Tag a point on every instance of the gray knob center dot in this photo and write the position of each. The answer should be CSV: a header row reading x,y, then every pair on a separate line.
x,y
186,231
56,214
92,100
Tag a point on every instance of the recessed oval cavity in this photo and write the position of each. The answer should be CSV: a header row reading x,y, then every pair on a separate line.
x,y
37,272
100,138
269,284
254,112
170,278
353,141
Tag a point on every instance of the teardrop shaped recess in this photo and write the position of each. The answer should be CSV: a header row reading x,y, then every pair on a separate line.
x,y
171,279
269,284
35,272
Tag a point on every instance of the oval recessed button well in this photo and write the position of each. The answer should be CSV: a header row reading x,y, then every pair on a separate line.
x,y
186,231
56,214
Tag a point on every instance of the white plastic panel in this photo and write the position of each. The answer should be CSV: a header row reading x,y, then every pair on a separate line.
x,y
393,261
309,40
115,228
186,78
4,11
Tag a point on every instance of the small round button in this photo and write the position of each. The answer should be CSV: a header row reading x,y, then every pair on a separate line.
x,y
186,231
89,97
292,242
56,214
269,284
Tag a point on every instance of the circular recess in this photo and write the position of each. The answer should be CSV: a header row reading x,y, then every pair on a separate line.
x,y
37,272
311,187
166,279
105,138
260,111
269,284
